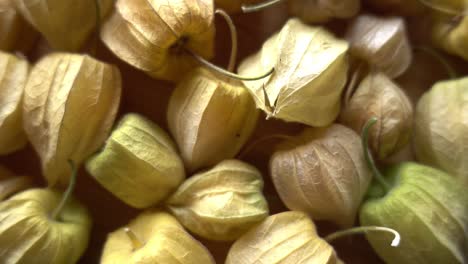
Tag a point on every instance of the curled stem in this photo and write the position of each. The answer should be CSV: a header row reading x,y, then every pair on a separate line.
x,y
440,8
136,242
260,6
67,193
365,229
450,70
367,155
233,31
261,140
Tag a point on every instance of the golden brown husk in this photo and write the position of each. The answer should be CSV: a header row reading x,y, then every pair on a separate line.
x,y
15,32
70,104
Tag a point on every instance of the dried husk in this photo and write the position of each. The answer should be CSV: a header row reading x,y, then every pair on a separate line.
x,y
13,75
221,203
430,211
70,103
450,36
234,6
318,11
15,32
284,238
139,163
210,118
378,96
382,42
163,240
441,128
151,35
29,235
311,67
400,7
323,173
66,24
11,184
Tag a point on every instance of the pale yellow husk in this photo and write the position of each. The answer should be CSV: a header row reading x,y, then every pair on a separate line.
x,y
13,75
378,96
29,235
70,104
284,238
382,42
221,203
323,173
15,33
139,163
210,118
311,67
151,35
441,128
66,24
163,239
318,11
11,184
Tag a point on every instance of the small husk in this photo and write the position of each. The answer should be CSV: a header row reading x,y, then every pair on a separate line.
x,y
65,24
381,42
378,96
441,128
139,163
210,118
152,35
161,239
70,103
318,11
29,235
15,32
221,203
451,35
13,76
311,68
286,238
322,172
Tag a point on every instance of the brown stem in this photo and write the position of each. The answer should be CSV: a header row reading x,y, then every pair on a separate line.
x,y
260,6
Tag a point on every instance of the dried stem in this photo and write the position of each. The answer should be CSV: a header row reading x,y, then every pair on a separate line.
x,y
352,84
234,44
450,70
440,8
249,148
67,193
260,6
365,229
136,242
367,155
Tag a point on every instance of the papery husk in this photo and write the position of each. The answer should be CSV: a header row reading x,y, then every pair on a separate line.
x,y
151,35
378,96
319,11
163,240
382,42
15,32
450,35
28,234
13,75
210,118
398,7
70,103
234,6
284,238
441,128
428,208
65,24
323,173
11,184
311,69
221,203
139,163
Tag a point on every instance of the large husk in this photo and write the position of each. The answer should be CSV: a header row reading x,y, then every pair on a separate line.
x,y
29,235
164,241
430,211
378,96
310,73
453,38
323,173
318,11
15,32
70,103
441,128
210,118
151,34
234,6
11,184
139,163
221,203
66,24
382,42
284,238
13,76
